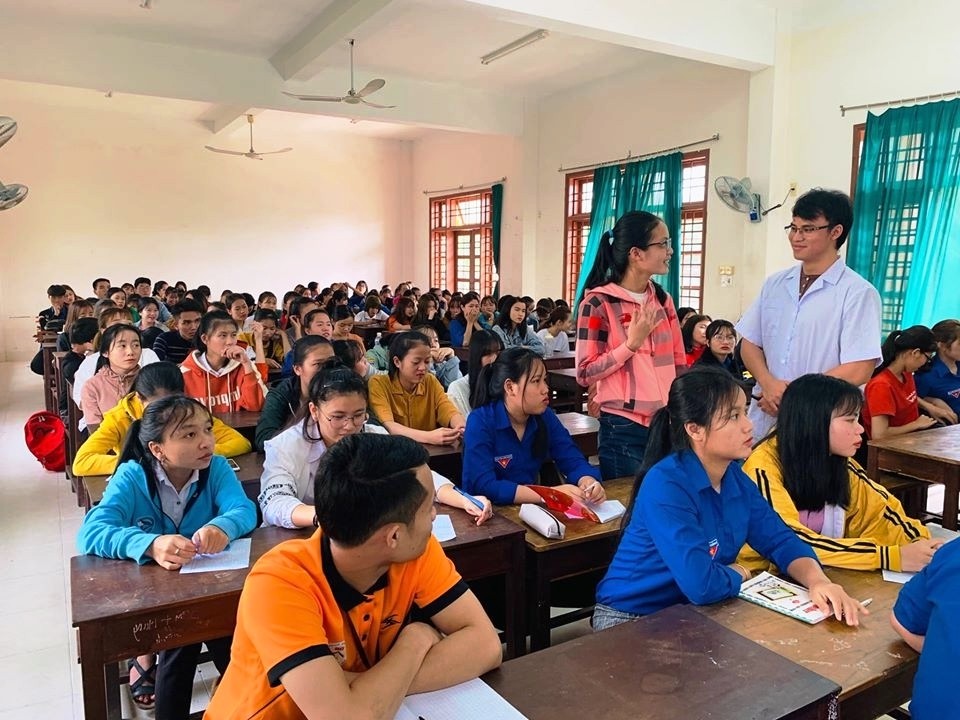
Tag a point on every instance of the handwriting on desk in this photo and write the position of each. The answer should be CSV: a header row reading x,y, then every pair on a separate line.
x,y
163,627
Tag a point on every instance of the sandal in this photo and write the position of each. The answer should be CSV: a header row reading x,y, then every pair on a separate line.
x,y
144,686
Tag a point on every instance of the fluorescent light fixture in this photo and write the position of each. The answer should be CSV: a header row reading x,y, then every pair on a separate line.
x,y
514,46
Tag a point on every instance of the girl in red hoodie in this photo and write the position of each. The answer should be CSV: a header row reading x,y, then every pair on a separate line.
x,y
219,373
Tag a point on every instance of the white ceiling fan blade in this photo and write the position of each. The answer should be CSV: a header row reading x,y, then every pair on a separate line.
x,y
276,152
371,87
223,152
8,128
253,155
12,195
314,98
374,105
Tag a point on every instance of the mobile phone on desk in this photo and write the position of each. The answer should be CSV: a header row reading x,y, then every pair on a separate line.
x,y
233,464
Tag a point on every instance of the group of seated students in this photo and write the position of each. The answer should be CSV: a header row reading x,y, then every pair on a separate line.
x,y
343,439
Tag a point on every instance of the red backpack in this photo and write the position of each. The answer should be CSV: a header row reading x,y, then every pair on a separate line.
x,y
46,440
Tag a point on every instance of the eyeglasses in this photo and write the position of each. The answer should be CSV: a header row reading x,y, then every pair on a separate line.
x,y
725,338
665,244
339,421
805,230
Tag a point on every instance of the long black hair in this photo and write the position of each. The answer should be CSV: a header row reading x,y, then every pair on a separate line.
x,y
916,337
160,417
632,230
697,397
713,329
812,475
515,364
503,319
402,343
159,378
482,343
109,336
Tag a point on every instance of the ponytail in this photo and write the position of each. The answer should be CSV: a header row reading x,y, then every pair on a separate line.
x,y
916,337
632,230
134,450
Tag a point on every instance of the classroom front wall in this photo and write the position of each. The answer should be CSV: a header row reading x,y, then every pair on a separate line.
x,y
664,102
121,194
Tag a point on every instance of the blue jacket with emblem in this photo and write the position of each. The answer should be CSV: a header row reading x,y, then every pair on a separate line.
x,y
682,536
129,518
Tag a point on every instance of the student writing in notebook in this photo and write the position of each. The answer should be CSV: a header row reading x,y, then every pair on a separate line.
x,y
336,644
693,508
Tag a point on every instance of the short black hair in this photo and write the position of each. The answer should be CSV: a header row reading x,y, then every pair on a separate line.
x,y
83,330
145,301
367,481
142,281
187,305
261,315
833,205
56,291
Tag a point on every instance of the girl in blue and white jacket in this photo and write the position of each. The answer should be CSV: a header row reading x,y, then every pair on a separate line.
x,y
169,499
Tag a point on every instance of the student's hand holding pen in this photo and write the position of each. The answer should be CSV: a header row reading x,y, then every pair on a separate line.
x,y
210,540
171,552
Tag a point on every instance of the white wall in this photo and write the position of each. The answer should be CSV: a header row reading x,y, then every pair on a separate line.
x,y
661,104
120,195
448,160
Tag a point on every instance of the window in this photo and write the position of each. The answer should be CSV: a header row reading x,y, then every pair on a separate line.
x,y
693,223
461,242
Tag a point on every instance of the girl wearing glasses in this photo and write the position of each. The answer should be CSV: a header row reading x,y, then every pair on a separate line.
x,y
337,408
891,404
629,346
721,337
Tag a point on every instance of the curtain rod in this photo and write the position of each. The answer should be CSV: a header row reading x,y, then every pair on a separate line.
x,y
465,187
630,156
902,101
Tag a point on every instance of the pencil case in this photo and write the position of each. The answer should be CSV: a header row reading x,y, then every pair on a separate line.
x,y
542,521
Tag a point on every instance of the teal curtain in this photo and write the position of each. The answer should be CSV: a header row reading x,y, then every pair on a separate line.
x,y
496,212
654,185
905,237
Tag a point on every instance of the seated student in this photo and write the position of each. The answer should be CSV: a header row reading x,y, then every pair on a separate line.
x,y
554,330
358,299
512,326
694,333
286,397
351,354
891,406
337,408
512,431
169,499
267,301
239,310
925,616
488,311
940,384
99,452
275,342
56,314
78,309
299,307
218,373
338,644
428,315
314,322
721,343
117,369
402,316
338,298
159,294
485,345
285,314
150,330
118,296
83,331
409,400
101,288
174,345
386,298
465,319
693,508
372,310
444,363
343,324
806,471
684,313
379,354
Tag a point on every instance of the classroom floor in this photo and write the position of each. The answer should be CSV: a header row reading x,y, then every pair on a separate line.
x,y
39,519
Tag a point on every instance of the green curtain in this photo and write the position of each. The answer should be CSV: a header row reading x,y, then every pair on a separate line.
x,y
496,211
654,185
905,237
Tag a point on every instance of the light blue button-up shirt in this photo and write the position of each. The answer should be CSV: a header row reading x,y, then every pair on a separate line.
x,y
836,321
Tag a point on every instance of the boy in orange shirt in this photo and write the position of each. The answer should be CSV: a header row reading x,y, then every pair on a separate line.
x,y
336,625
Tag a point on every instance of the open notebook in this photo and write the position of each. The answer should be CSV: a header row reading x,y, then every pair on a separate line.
x,y
472,700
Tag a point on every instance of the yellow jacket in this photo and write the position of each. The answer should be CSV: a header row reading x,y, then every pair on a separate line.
x,y
98,454
874,528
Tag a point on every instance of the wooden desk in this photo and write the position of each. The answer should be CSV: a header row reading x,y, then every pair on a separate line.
x,y
557,361
932,455
48,347
872,665
569,394
243,421
673,664
448,459
368,331
122,609
586,547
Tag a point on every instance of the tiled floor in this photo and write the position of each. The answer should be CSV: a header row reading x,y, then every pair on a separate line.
x,y
39,518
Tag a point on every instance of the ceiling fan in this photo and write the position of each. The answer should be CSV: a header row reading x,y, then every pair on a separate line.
x,y
251,153
353,97
13,194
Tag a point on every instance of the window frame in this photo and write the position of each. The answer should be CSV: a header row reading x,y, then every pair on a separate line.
x,y
443,238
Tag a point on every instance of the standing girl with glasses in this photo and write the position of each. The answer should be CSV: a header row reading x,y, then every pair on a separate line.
x,y
629,345
891,404
337,408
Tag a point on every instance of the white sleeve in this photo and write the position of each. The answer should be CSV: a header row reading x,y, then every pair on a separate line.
x,y
279,494
459,394
87,369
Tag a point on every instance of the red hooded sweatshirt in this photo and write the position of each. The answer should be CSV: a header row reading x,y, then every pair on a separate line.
x,y
229,390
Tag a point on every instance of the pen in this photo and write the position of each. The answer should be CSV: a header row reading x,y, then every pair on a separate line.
x,y
469,497
866,602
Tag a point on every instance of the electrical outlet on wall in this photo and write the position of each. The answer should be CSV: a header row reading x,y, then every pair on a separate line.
x,y
726,281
